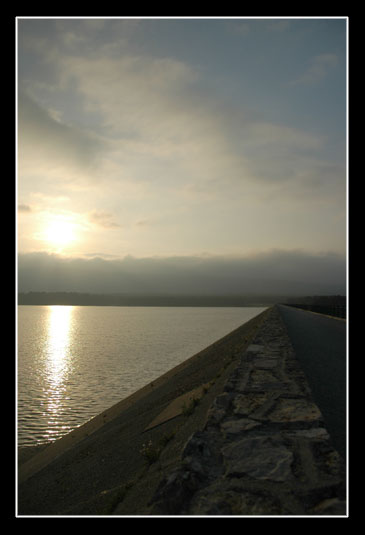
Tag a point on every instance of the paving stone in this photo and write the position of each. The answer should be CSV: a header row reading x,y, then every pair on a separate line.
x,y
264,380
331,506
264,449
266,363
235,427
260,458
294,410
247,404
255,348
230,499
319,433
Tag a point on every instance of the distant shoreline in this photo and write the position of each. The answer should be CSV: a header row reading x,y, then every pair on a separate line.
x,y
168,300
81,299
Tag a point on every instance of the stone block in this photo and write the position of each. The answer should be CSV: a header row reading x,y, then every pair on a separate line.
x,y
262,458
266,363
264,380
230,498
295,410
235,427
255,348
248,404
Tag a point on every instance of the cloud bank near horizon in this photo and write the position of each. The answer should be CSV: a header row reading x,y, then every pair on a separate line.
x,y
275,272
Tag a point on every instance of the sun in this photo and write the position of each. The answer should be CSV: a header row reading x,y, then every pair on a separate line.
x,y
60,233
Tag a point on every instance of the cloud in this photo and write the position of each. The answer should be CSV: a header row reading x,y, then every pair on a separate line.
x,y
278,153
164,138
159,122
319,67
279,25
103,219
47,143
24,208
244,26
164,126
130,91
240,28
272,272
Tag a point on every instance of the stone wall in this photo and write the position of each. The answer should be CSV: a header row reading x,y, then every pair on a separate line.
x,y
264,449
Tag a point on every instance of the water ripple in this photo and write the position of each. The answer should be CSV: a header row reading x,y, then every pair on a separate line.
x,y
75,362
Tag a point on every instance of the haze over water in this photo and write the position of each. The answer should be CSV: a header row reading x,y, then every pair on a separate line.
x,y
74,362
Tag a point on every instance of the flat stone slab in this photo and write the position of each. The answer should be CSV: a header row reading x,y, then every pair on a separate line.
x,y
248,404
294,410
267,363
234,427
317,433
264,380
263,458
177,407
255,348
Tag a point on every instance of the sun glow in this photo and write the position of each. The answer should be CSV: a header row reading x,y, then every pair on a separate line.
x,y
60,233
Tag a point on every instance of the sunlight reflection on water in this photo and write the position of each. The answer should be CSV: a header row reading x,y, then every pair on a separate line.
x,y
74,362
59,327
59,362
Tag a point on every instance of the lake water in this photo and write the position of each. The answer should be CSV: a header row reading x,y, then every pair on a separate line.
x,y
73,362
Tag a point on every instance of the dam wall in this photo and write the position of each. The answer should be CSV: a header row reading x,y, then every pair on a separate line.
x,y
232,431
264,448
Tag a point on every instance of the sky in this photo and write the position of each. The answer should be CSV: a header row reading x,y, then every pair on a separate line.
x,y
181,153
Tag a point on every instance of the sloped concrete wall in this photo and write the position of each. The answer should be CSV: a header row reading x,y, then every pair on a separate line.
x,y
264,449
